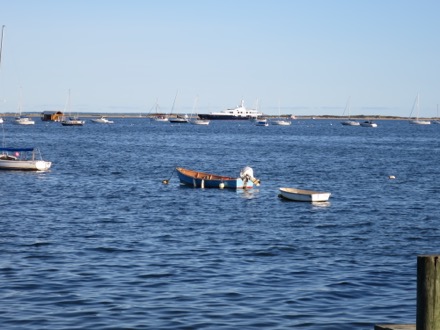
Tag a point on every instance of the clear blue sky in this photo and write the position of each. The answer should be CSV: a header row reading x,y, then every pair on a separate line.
x,y
309,56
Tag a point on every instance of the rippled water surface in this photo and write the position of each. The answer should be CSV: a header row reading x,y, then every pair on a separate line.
x,y
100,243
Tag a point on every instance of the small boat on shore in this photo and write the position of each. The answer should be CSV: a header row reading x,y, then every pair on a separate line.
x,y
301,195
199,179
24,159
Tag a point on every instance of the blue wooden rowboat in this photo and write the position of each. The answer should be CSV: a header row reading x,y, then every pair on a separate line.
x,y
207,180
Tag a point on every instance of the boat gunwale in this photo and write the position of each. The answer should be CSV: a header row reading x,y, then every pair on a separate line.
x,y
203,175
24,165
302,191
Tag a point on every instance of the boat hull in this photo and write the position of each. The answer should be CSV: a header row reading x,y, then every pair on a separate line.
x,y
24,121
178,120
73,123
102,121
368,124
200,122
281,123
262,122
25,165
161,119
420,122
301,195
22,159
223,117
238,113
207,180
350,123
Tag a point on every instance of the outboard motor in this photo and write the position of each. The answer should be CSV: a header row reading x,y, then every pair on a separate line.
x,y
246,174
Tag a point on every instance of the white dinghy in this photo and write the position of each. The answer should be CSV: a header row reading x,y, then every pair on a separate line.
x,y
301,195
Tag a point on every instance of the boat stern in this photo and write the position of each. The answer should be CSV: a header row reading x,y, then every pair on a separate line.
x,y
42,165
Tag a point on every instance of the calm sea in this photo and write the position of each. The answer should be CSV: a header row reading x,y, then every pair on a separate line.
x,y
100,243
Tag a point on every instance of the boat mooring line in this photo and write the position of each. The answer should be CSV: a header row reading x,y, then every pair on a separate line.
x,y
168,181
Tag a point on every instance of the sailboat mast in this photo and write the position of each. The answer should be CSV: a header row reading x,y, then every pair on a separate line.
x,y
20,102
67,106
1,49
417,106
1,45
174,102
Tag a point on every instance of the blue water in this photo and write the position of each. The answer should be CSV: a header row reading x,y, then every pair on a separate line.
x,y
100,243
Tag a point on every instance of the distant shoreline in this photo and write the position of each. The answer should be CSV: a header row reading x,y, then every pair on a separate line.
x,y
318,117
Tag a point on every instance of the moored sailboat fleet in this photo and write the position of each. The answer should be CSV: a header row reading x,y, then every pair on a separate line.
x,y
252,115
29,158
15,157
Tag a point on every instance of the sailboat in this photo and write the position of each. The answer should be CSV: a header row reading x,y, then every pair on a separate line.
x,y
71,121
23,158
159,117
417,121
179,119
280,121
20,120
197,120
349,122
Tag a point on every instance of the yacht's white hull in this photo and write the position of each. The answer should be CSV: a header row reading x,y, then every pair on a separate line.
x,y
102,121
73,122
161,119
25,165
350,123
200,122
281,122
368,124
420,122
24,121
